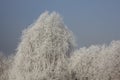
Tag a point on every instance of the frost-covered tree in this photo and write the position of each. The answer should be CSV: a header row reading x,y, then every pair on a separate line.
x,y
4,66
110,62
82,61
96,63
43,51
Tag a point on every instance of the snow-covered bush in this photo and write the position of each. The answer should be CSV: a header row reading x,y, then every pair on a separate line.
x,y
43,51
96,63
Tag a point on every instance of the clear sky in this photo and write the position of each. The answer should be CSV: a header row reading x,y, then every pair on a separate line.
x,y
92,21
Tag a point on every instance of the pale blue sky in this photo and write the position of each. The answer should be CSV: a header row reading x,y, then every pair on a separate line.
x,y
92,21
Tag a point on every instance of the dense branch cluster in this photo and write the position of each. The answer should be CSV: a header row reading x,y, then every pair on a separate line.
x,y
98,62
47,52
